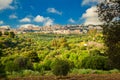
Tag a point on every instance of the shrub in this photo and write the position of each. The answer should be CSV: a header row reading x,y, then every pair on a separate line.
x,y
47,63
28,73
11,34
95,52
6,33
96,62
83,48
39,67
114,71
81,71
23,63
10,66
2,71
0,33
1,53
71,64
60,67
33,56
18,64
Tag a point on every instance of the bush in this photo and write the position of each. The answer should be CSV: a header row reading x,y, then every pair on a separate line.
x,y
10,66
83,48
95,62
23,73
114,71
39,67
0,33
28,73
11,34
23,63
33,56
18,64
60,67
81,71
2,71
6,33
47,63
95,53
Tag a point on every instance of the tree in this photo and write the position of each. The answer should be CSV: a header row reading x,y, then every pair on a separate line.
x,y
96,62
2,71
109,13
22,63
11,34
10,66
60,67
33,56
0,33
6,33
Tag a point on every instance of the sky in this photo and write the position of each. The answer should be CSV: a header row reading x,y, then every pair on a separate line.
x,y
15,13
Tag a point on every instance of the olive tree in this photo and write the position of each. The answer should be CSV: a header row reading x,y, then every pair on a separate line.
x,y
60,67
109,13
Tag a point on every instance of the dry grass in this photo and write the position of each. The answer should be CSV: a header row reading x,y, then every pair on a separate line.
x,y
74,77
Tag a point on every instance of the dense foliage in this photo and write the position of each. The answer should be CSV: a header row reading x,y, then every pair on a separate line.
x,y
109,13
2,71
60,67
112,41
96,62
35,53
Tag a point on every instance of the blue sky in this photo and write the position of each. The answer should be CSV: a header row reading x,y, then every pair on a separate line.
x,y
47,12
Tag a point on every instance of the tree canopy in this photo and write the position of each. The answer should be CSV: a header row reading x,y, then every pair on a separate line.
x,y
109,13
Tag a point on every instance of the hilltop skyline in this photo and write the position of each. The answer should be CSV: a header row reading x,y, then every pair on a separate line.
x,y
15,13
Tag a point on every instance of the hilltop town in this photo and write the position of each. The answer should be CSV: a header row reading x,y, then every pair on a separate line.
x,y
56,29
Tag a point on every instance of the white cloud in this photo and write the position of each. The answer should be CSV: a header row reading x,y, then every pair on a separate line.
x,y
13,16
48,22
26,19
53,10
71,20
1,22
39,18
91,2
4,4
45,20
91,17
